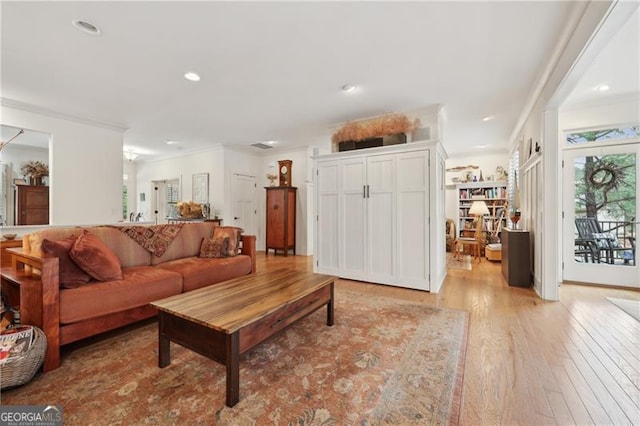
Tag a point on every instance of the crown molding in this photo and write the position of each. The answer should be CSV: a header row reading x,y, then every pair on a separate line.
x,y
23,106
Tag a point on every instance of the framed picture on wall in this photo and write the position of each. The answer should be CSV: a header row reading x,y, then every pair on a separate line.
x,y
19,182
200,188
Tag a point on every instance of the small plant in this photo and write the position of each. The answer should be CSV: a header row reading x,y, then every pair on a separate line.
x,y
35,169
383,126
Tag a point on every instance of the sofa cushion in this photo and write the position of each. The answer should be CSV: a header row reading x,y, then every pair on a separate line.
x,y
128,251
187,242
233,234
140,285
214,247
200,272
95,258
71,275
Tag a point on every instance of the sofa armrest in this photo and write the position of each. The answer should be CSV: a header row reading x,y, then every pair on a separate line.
x,y
51,311
249,248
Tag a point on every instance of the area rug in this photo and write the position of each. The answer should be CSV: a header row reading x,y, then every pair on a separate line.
x,y
385,361
632,307
460,262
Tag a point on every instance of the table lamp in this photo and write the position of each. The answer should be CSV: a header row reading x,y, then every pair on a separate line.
x,y
479,208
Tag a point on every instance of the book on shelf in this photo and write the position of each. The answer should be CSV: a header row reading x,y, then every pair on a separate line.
x,y
15,342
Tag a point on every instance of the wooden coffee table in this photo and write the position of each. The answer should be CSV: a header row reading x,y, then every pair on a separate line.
x,y
225,320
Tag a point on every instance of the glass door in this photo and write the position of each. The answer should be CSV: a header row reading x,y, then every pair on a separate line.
x,y
600,215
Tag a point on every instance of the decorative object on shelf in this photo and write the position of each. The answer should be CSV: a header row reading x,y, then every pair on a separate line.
x,y
284,167
272,179
9,236
501,174
189,209
481,179
34,171
461,168
515,218
378,128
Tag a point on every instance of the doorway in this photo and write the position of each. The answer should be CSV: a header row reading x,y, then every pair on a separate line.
x,y
600,205
166,194
243,189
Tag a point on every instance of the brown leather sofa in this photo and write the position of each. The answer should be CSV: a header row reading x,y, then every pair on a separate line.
x,y
70,314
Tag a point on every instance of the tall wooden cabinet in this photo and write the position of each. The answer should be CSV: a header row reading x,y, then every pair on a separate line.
x,y
31,205
281,219
373,215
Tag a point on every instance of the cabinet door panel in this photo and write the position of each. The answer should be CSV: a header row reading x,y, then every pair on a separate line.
x,y
381,171
413,215
275,218
352,250
327,222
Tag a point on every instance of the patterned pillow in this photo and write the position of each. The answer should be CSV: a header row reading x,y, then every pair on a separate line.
x,y
95,258
214,247
233,234
71,276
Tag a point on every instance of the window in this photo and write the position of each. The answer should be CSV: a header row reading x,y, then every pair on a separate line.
x,y
601,135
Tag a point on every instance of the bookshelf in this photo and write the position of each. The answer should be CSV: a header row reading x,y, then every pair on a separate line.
x,y
495,194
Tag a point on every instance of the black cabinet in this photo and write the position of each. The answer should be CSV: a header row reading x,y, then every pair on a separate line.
x,y
516,257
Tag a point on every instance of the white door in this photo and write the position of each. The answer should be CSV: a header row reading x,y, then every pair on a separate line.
x,y
381,223
352,219
601,191
243,189
412,227
166,194
327,229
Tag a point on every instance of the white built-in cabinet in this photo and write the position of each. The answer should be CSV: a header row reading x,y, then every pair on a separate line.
x,y
373,215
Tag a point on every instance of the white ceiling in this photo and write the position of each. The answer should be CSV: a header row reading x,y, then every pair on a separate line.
x,y
273,71
617,66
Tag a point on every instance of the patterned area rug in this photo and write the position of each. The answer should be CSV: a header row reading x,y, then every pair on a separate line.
x,y
385,361
632,307
461,262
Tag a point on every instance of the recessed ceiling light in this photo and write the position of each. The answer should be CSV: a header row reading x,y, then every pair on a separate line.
x,y
192,76
271,142
87,27
603,88
172,142
481,146
488,117
349,88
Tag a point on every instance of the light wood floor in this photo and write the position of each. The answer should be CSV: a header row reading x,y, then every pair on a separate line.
x,y
576,361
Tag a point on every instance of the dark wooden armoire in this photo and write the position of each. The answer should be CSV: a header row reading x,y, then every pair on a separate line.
x,y
281,219
31,205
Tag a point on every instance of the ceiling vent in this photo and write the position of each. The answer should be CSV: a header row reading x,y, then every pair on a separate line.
x,y
261,145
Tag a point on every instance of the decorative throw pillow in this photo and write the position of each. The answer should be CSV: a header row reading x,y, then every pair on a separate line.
x,y
214,247
233,234
71,276
95,258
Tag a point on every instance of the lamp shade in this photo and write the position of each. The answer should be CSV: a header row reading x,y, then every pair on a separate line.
x,y
478,208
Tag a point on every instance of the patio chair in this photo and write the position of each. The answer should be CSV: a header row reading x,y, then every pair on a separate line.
x,y
600,244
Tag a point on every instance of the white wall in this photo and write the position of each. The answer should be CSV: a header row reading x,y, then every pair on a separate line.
x,y
182,168
85,167
609,113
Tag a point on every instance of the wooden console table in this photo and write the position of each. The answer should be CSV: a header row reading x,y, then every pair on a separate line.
x,y
516,257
